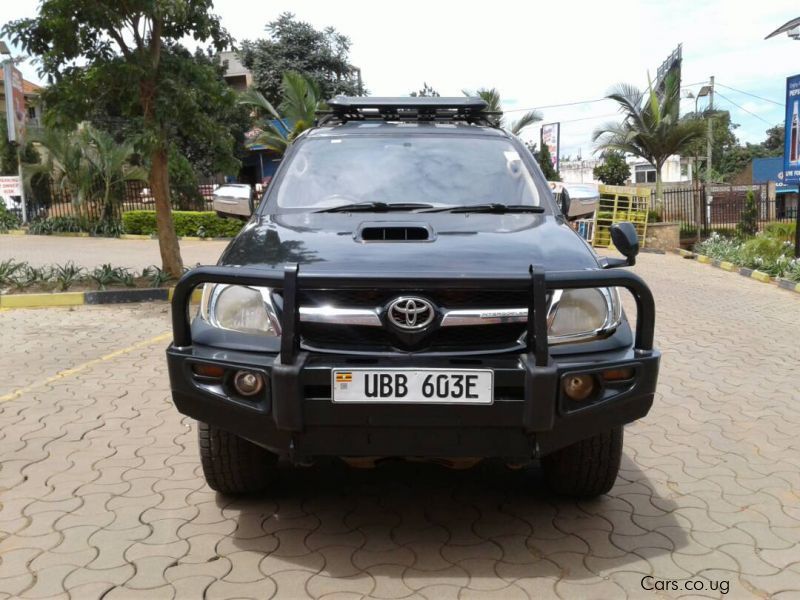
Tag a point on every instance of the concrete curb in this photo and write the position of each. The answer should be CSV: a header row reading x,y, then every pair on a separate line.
x,y
743,271
81,298
124,236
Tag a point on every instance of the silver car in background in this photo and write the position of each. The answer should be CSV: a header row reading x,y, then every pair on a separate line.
x,y
583,198
234,200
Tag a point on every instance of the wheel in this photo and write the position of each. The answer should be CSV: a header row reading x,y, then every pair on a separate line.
x,y
231,464
587,468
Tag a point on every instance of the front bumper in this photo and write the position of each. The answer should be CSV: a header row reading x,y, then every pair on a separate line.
x,y
294,415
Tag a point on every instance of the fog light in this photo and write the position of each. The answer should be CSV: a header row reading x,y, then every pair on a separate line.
x,y
578,387
208,371
618,374
248,383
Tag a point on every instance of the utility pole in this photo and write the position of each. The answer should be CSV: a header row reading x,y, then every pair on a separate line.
x,y
708,146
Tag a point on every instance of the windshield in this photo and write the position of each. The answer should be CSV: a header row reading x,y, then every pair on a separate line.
x,y
439,171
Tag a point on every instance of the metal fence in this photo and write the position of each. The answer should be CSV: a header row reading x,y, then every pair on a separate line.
x,y
722,208
47,200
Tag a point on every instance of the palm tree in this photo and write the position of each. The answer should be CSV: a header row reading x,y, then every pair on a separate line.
x,y
87,165
109,165
492,99
300,100
651,127
64,164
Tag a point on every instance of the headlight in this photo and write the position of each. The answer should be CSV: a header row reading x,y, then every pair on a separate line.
x,y
583,314
240,308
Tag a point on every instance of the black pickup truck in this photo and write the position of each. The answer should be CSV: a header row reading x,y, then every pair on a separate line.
x,y
409,287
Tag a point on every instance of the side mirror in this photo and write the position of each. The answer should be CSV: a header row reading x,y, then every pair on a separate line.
x,y
565,202
624,237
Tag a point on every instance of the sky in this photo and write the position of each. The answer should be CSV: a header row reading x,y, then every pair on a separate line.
x,y
540,54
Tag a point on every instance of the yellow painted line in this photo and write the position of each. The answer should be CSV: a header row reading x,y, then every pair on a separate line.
x,y
16,232
197,295
82,367
702,258
762,277
728,266
135,236
37,300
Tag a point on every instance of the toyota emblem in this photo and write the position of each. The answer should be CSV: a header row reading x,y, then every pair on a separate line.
x,y
411,313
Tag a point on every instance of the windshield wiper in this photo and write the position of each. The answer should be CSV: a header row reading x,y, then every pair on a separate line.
x,y
375,207
493,207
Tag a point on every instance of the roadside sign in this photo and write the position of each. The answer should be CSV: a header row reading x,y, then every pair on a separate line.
x,y
15,102
791,150
551,137
10,186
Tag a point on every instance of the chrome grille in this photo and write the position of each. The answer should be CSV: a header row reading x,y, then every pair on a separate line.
x,y
344,333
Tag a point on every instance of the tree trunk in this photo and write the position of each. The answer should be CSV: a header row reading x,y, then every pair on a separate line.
x,y
171,261
659,191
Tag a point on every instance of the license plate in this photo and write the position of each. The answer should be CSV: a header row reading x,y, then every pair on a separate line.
x,y
413,386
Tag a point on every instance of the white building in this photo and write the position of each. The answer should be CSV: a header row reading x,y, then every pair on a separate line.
x,y
675,170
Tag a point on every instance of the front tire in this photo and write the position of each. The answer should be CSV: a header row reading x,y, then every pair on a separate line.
x,y
231,464
587,468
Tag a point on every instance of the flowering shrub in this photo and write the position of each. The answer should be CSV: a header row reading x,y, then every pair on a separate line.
x,y
767,253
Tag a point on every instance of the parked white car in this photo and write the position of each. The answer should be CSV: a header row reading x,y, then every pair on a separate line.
x,y
233,200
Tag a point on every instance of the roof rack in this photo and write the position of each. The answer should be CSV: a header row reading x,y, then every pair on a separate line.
x,y
426,109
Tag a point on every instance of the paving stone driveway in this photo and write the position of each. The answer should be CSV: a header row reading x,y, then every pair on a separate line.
x,y
102,495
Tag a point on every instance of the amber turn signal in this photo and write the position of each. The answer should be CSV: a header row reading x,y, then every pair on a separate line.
x,y
208,371
618,374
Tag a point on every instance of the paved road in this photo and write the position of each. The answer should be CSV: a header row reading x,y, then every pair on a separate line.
x,y
40,250
102,496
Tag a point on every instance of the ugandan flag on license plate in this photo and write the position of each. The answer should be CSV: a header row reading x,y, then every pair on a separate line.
x,y
344,377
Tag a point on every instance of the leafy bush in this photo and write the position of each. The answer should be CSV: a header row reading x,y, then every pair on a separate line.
x,y
8,268
187,223
66,275
156,276
768,254
56,225
781,231
8,220
654,216
20,275
749,224
72,224
106,228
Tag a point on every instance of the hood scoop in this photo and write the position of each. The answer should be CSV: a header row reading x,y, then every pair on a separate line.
x,y
394,231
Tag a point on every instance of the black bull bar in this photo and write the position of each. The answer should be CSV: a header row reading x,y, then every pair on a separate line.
x,y
541,373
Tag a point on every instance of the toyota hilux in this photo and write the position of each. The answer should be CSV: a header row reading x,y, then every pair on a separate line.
x,y
409,288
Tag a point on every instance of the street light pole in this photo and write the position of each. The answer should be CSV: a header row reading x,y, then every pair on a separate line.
x,y
11,125
710,136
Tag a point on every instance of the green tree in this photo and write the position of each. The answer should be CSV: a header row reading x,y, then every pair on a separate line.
x,y
88,165
292,45
774,144
110,168
723,139
613,170
748,224
492,98
651,127
425,92
92,49
300,101
545,160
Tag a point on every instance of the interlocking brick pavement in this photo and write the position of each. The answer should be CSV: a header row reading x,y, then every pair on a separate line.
x,y
101,492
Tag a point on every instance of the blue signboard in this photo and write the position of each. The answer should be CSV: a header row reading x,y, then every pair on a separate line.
x,y
791,150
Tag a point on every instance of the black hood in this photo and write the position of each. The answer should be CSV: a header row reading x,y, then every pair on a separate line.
x,y
461,243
